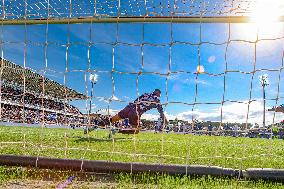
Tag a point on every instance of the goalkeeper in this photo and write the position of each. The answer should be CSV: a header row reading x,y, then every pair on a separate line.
x,y
277,108
133,111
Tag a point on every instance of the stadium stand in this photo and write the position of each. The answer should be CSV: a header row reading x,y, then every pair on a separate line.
x,y
22,100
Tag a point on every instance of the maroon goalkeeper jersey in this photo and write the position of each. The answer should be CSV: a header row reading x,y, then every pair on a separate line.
x,y
146,102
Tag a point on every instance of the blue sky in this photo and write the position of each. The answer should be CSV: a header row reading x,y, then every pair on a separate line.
x,y
84,8
119,46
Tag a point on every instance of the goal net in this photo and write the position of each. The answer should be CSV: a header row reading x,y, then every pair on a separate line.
x,y
217,63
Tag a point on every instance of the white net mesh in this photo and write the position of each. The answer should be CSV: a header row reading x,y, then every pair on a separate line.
x,y
17,9
208,74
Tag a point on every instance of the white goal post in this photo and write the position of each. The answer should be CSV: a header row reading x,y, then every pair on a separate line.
x,y
198,136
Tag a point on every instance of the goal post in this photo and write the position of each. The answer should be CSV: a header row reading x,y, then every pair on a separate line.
x,y
148,19
67,64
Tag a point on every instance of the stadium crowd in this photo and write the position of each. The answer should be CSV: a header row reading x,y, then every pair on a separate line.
x,y
207,128
14,94
27,107
18,114
21,106
217,129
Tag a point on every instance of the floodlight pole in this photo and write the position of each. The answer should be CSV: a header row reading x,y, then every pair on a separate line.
x,y
264,101
90,110
92,91
264,83
93,80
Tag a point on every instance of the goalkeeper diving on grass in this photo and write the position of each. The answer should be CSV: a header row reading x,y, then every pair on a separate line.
x,y
134,110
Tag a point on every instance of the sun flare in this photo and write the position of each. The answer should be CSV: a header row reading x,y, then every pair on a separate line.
x,y
264,20
267,11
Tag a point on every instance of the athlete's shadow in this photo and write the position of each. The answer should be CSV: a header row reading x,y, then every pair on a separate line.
x,y
93,139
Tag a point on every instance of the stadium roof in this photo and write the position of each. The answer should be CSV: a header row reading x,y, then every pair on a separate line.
x,y
35,82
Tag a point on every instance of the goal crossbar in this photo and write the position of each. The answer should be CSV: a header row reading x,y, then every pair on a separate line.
x,y
221,19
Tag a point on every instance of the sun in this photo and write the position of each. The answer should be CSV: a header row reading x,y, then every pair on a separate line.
x,y
264,20
267,11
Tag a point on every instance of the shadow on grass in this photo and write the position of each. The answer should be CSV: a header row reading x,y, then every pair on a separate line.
x,y
92,139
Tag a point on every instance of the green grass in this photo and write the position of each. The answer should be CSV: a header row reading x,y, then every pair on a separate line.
x,y
239,153
167,181
32,177
7,173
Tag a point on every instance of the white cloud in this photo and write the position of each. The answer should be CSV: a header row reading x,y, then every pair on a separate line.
x,y
102,99
173,76
233,112
108,100
169,116
194,81
203,82
238,113
196,114
126,97
151,117
107,111
155,117
114,98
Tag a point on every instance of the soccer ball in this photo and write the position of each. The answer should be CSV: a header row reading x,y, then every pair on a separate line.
x,y
200,69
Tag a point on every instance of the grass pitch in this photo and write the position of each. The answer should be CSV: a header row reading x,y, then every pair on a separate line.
x,y
230,152
16,177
